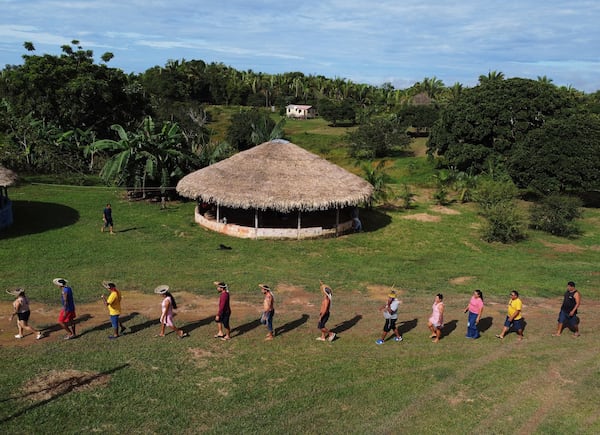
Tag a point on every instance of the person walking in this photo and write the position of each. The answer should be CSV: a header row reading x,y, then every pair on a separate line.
x,y
324,313
66,318
107,219
475,309
390,314
268,310
514,317
436,321
224,312
166,314
568,311
113,302
22,311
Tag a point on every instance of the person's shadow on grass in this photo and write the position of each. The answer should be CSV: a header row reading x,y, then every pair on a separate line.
x,y
407,325
197,324
246,327
347,324
292,325
107,325
449,328
57,328
485,324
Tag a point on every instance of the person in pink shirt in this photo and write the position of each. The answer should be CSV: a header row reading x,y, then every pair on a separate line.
x,y
436,321
475,308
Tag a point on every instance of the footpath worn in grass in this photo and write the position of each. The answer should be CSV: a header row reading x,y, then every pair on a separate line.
x,y
294,384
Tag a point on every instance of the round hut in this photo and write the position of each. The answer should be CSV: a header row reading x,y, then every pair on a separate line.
x,y
7,178
276,190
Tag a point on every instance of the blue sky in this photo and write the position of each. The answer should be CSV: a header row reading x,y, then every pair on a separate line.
x,y
366,41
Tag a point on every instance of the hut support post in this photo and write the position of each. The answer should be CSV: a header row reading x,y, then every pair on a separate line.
x,y
337,219
299,223
255,223
218,213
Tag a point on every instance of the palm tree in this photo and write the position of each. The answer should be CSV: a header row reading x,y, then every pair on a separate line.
x,y
492,76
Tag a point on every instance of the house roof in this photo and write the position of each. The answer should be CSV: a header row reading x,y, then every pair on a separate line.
x,y
276,175
7,177
299,106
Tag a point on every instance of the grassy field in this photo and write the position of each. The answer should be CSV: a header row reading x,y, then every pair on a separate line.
x,y
144,384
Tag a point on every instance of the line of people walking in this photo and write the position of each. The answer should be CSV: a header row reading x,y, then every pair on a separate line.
x,y
514,318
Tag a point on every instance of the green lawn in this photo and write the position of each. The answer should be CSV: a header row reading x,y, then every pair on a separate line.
x,y
295,384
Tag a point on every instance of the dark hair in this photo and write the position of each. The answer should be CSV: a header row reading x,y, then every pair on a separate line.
x,y
479,293
170,296
441,296
571,284
515,292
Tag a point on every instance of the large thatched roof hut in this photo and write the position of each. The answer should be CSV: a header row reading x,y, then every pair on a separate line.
x,y
7,178
275,189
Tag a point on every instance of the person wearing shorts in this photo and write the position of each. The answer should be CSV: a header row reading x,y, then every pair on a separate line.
x,y
568,311
224,312
390,314
324,312
514,317
22,311
113,302
107,219
66,318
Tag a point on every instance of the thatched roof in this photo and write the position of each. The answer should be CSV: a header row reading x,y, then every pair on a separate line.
x,y
276,175
7,177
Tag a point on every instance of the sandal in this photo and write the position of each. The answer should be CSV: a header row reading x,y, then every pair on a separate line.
x,y
219,336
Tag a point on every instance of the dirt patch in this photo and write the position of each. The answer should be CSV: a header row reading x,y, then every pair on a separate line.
x,y
461,280
444,210
563,247
423,217
57,383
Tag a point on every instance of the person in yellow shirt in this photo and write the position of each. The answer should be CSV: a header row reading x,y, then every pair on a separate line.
x,y
514,317
113,302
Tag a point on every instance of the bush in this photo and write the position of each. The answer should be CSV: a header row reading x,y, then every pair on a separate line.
x,y
504,224
555,214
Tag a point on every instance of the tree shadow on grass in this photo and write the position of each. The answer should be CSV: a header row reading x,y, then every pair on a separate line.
x,y
292,325
32,217
374,219
70,386
347,324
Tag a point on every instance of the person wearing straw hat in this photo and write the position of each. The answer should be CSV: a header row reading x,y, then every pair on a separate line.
x,y
66,318
113,302
167,307
324,312
224,312
390,314
268,310
22,311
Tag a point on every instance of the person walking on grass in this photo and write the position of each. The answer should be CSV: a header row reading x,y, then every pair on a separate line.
x,y
113,302
268,310
166,315
514,317
224,312
390,314
324,313
66,318
107,219
475,308
436,321
22,311
568,311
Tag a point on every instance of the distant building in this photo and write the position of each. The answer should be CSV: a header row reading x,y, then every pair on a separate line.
x,y
300,111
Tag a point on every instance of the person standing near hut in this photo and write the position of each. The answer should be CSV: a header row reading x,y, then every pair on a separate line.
x,y
224,312
113,302
268,310
324,313
22,311
107,219
66,318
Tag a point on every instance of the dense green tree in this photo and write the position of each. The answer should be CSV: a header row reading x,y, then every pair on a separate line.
x,y
335,111
379,137
557,214
486,121
563,155
420,117
246,122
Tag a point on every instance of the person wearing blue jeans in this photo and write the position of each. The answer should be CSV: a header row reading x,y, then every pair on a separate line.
x,y
268,310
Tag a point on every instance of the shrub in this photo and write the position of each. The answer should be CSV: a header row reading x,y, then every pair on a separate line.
x,y
556,214
505,223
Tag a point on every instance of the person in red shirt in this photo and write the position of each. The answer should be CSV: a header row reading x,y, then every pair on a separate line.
x,y
222,317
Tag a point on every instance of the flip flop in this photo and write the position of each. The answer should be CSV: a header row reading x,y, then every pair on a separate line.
x,y
219,336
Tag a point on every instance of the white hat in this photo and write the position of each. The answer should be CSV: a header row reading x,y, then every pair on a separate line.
x,y
108,284
60,281
161,289
15,292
